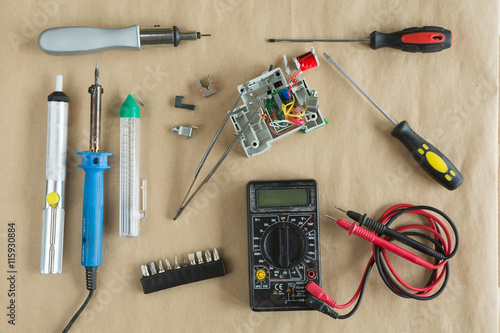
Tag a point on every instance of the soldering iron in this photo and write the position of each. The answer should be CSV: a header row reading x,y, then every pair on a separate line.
x,y
94,162
82,40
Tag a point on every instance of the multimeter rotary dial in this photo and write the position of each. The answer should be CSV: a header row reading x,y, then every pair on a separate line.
x,y
284,245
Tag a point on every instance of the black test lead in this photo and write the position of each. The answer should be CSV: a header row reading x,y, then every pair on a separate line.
x,y
434,231
426,39
379,228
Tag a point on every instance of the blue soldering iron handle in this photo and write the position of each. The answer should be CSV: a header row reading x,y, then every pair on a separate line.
x,y
94,165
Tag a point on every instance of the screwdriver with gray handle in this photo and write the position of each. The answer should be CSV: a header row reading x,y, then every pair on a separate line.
x,y
82,40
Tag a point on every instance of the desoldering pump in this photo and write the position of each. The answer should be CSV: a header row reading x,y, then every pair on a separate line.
x,y
55,175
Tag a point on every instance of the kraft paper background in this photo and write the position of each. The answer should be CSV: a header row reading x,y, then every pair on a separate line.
x,y
450,98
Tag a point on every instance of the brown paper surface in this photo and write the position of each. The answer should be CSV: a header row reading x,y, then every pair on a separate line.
x,y
450,98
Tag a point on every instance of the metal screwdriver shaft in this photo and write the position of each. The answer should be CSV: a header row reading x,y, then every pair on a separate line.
x,y
273,40
360,90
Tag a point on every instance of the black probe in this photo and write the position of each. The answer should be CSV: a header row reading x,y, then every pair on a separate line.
x,y
319,300
381,229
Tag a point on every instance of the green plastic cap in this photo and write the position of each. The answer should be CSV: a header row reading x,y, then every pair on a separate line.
x,y
129,108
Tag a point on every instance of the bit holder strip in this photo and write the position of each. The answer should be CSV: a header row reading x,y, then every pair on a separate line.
x,y
194,272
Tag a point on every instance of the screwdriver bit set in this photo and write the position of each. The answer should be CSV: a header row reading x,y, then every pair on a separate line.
x,y
196,268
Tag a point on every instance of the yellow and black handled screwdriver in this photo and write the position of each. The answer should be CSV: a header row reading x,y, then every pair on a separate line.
x,y
425,39
435,163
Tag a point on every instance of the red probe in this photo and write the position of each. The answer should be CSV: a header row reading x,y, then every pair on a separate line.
x,y
371,237
320,300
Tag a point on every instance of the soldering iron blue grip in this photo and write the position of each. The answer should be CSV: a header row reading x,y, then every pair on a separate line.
x,y
94,165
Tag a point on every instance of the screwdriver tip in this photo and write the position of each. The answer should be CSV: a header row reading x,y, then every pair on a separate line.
x,y
96,74
206,35
271,40
331,218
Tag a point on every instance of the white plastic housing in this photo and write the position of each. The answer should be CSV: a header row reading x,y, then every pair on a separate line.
x,y
130,215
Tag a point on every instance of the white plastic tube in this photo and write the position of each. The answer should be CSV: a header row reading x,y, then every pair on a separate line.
x,y
130,213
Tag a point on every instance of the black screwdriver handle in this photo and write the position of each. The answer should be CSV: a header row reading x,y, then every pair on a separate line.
x,y
435,163
426,39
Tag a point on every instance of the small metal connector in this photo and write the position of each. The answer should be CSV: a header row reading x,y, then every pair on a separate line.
x,y
144,270
168,265
184,262
152,268
176,263
179,105
208,256
160,267
199,255
216,255
209,90
184,130
191,259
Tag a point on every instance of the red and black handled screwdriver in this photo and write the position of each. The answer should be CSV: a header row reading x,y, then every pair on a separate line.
x,y
426,39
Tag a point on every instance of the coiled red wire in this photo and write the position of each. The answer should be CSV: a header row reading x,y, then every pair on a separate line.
x,y
442,243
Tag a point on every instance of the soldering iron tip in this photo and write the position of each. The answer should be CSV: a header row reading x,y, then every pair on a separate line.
x,y
96,74
331,218
342,210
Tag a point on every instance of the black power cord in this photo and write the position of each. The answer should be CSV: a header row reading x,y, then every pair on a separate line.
x,y
91,279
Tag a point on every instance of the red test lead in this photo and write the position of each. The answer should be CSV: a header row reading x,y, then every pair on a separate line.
x,y
436,232
371,237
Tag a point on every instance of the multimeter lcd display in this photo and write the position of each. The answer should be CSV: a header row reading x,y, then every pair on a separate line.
x,y
286,197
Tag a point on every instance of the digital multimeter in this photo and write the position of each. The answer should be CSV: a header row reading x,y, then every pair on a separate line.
x,y
283,243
